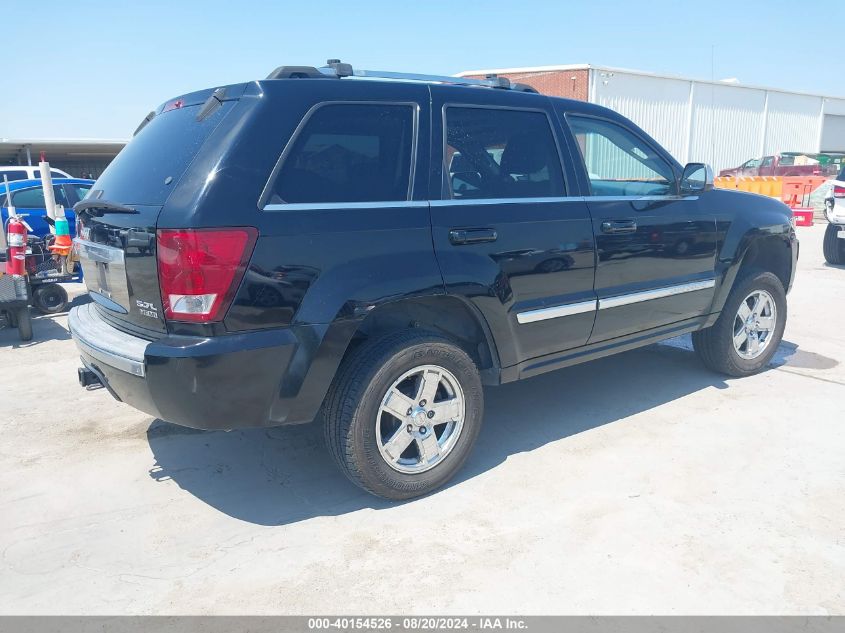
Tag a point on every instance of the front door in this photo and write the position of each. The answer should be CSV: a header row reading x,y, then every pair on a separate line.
x,y
506,235
656,250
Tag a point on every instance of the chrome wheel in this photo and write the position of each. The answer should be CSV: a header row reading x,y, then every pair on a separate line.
x,y
420,419
754,325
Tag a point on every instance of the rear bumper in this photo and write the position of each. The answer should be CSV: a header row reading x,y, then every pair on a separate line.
x,y
240,380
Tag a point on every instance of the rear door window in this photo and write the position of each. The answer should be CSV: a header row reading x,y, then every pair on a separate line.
x,y
499,153
349,153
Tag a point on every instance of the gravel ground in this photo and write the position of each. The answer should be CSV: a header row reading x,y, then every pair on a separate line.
x,y
636,484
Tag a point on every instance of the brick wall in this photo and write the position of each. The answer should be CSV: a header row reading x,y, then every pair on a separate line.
x,y
571,84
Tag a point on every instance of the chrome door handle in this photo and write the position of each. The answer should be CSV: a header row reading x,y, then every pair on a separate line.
x,y
472,236
620,226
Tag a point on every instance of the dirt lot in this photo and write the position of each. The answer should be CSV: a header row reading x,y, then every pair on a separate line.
x,y
636,484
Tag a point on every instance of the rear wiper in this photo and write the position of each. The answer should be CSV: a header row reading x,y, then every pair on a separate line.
x,y
98,208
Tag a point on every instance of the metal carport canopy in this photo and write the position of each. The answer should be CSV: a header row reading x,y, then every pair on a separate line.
x,y
14,151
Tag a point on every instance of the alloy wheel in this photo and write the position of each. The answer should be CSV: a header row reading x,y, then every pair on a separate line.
x,y
420,419
754,324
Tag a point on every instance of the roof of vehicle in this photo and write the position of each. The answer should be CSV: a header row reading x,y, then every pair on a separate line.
x,y
498,85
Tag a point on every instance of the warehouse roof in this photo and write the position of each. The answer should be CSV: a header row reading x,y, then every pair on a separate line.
x,y
568,67
14,150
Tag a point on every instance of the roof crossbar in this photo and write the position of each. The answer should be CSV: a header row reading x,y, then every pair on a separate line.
x,y
335,69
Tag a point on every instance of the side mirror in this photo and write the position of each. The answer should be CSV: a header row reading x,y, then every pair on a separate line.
x,y
697,178
463,181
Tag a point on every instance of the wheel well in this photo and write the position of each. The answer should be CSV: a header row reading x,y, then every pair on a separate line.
x,y
770,254
446,315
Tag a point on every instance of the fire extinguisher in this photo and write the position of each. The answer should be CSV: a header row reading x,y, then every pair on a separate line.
x,y
16,241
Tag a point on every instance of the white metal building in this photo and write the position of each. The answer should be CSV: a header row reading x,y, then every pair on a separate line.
x,y
719,122
81,158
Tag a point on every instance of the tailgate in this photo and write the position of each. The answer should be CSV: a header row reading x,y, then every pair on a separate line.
x,y
116,243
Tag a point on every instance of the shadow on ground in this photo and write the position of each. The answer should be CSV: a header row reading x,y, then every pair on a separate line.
x,y
44,327
283,475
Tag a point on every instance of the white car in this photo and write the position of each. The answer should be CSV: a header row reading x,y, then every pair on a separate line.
x,y
834,210
28,172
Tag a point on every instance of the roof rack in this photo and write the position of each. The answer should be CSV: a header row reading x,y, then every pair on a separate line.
x,y
335,69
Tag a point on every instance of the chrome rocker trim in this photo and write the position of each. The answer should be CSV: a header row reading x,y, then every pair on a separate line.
x,y
569,309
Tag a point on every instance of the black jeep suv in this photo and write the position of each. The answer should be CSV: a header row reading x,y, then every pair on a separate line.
x,y
370,252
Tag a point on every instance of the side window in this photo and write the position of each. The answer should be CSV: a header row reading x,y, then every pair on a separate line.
x,y
80,190
53,174
13,174
349,153
494,153
618,162
754,163
767,161
34,198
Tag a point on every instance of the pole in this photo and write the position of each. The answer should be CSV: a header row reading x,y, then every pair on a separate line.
x,y
3,244
47,183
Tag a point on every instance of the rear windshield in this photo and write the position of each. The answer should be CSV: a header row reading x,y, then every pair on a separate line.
x,y
147,170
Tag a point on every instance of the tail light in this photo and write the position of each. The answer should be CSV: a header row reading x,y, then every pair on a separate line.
x,y
838,192
199,270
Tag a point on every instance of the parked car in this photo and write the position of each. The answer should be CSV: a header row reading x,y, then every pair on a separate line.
x,y
784,164
28,172
315,257
27,196
834,235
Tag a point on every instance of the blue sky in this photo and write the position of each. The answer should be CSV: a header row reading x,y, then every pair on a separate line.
x,y
109,63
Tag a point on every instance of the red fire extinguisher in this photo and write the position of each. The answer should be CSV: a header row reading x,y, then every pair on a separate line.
x,y
16,241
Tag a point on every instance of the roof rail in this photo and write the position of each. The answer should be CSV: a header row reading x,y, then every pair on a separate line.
x,y
334,68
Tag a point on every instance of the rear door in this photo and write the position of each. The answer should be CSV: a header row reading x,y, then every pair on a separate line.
x,y
507,233
767,166
656,250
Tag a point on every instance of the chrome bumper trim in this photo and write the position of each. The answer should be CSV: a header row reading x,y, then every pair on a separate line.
x,y
97,338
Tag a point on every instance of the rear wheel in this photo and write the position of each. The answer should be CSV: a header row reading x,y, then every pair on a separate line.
x,y
49,298
749,330
24,323
833,247
403,413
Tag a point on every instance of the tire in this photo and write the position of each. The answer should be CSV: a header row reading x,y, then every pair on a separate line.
x,y
715,345
49,299
833,247
359,431
24,324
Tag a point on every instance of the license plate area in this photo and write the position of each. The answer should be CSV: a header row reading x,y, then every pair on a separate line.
x,y
841,234
104,268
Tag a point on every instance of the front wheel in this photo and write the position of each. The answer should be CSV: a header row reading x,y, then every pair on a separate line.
x,y
833,247
403,413
749,330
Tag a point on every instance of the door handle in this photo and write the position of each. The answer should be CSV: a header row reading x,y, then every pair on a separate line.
x,y
623,226
472,236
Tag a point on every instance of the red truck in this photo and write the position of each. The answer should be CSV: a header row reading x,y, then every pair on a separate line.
x,y
786,164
